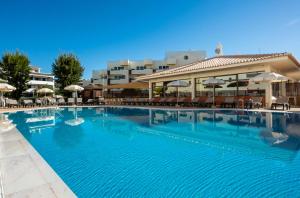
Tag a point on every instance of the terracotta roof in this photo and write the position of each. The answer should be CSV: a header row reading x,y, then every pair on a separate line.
x,y
217,62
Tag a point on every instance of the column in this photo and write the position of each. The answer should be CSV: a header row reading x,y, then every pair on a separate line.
x,y
150,90
193,87
268,94
283,88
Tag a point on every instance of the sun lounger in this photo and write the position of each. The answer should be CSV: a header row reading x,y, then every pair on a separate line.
x,y
101,101
90,101
12,103
229,102
71,101
281,102
27,102
208,102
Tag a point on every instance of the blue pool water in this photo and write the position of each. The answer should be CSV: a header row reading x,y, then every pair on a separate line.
x,y
122,152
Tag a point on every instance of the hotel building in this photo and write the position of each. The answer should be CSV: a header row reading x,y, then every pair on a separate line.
x,y
39,79
126,71
235,70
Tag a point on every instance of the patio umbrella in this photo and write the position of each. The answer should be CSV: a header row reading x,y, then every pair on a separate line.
x,y
268,77
45,91
74,88
177,84
213,82
30,90
4,88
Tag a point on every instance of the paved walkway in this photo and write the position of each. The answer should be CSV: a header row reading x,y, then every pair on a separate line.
x,y
24,173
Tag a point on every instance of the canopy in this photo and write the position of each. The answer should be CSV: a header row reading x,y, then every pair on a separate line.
x,y
74,88
4,87
178,83
45,90
268,77
133,85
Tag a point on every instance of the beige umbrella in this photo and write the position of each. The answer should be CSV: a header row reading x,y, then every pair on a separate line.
x,y
74,88
4,88
268,77
45,91
214,82
177,84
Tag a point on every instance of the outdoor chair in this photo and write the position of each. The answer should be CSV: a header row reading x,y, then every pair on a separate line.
x,y
282,102
78,101
38,102
61,101
101,101
254,102
71,101
52,101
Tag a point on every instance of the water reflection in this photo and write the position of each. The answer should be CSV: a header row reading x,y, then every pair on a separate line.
x,y
241,131
76,120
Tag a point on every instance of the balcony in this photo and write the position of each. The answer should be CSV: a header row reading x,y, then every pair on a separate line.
x,y
40,82
119,81
142,71
119,72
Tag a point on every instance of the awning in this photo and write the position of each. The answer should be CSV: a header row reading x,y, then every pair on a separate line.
x,y
133,85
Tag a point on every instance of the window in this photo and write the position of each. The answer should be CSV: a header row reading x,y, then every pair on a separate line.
x,y
186,57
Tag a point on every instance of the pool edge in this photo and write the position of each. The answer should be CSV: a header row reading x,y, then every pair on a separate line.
x,y
24,172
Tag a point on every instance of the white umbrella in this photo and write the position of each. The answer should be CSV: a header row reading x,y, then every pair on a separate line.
x,y
4,87
213,82
45,91
178,83
269,77
74,88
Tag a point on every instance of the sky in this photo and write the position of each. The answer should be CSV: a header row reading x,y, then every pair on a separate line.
x,y
98,31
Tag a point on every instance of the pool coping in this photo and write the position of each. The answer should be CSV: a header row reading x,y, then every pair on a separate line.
x,y
24,172
297,110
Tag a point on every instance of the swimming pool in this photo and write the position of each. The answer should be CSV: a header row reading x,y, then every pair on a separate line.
x,y
128,152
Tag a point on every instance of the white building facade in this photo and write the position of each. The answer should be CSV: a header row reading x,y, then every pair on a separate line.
x,y
126,71
39,79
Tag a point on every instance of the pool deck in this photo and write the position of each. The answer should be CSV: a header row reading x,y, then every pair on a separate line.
x,y
24,173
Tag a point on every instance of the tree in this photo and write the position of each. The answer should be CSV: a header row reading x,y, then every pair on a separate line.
x,y
67,70
15,69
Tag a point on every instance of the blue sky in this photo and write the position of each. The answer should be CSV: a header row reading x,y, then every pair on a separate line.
x,y
98,31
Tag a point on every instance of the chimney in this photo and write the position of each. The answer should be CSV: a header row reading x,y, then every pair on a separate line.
x,y
219,50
